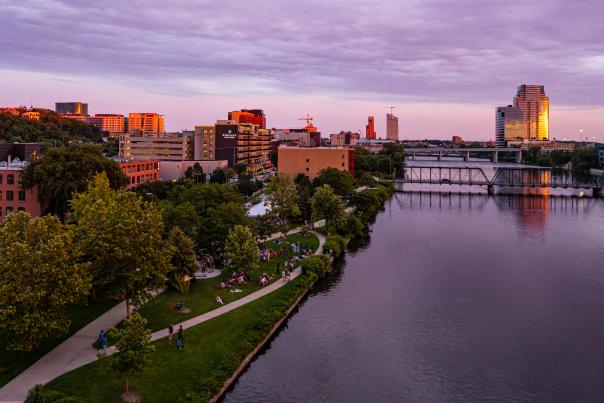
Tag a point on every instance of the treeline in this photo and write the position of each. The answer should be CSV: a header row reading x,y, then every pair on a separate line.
x,y
51,130
581,159
387,162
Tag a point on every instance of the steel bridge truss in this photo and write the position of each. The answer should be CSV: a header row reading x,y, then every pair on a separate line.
x,y
522,177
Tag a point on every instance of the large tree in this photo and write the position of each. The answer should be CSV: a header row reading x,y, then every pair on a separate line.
x,y
340,181
242,250
39,279
62,172
327,205
183,262
133,344
122,238
217,223
283,197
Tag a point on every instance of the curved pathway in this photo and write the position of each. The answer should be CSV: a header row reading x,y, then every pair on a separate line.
x,y
78,351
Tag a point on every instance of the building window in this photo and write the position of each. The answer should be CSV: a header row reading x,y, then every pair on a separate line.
x,y
20,179
0,179
0,195
307,160
21,195
342,164
10,179
9,210
307,169
9,195
21,209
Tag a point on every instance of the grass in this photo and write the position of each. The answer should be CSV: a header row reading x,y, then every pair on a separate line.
x,y
12,363
213,350
202,294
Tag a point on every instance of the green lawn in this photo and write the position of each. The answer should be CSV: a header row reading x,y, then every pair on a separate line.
x,y
213,350
160,311
12,363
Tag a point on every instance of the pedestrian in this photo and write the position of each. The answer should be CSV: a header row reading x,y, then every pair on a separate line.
x,y
170,333
179,344
102,341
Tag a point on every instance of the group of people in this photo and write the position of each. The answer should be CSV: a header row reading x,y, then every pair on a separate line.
x,y
265,279
180,341
238,277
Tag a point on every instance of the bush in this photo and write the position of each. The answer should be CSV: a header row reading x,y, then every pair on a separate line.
x,y
352,226
315,264
40,394
334,244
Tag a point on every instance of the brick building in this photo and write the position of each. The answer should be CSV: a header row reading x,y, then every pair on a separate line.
x,y
140,172
310,161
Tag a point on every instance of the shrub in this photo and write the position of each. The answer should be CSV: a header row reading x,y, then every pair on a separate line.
x,y
40,394
335,245
352,227
316,264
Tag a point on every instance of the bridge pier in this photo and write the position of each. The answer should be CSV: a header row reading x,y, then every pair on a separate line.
x,y
466,156
440,155
413,156
597,193
519,157
490,190
495,156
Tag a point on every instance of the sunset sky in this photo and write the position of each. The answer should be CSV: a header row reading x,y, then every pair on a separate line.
x,y
445,65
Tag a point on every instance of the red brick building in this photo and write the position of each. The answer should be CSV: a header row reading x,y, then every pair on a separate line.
x,y
13,198
140,172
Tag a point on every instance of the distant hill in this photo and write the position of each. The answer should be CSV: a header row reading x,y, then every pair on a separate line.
x,y
52,129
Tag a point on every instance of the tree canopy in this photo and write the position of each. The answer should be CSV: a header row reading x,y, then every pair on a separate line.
x,y
122,238
242,250
64,171
39,279
340,181
327,205
283,197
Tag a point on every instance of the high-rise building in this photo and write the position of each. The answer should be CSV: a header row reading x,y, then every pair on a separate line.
x,y
146,124
242,143
253,116
71,108
509,125
204,143
391,127
111,123
534,104
163,148
370,128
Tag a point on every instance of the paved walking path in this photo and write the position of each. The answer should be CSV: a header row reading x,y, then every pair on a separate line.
x,y
78,351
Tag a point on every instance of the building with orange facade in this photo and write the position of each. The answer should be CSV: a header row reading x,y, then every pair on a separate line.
x,y
310,161
111,123
146,148
139,172
146,124
13,197
253,116
370,128
534,105
22,111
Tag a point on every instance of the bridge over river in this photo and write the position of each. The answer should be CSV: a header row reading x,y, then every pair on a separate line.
x,y
503,175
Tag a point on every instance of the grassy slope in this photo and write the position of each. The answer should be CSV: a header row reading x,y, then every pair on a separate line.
x,y
12,363
202,294
213,350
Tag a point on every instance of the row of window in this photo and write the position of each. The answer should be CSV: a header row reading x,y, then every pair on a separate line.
x,y
143,178
10,195
10,179
10,210
141,167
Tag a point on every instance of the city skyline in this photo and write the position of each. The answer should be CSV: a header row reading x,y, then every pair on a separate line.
x,y
444,78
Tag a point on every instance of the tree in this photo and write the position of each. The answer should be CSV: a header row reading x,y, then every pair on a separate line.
x,y
195,173
283,197
340,181
218,176
325,204
216,225
317,264
184,261
304,191
121,237
62,172
133,344
265,226
39,279
242,250
182,215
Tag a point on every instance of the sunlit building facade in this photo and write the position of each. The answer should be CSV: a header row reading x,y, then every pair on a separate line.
x,y
243,143
143,148
253,116
111,123
534,104
509,125
391,127
204,143
370,128
71,108
146,124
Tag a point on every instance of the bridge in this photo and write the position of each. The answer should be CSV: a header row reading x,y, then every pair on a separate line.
x,y
464,153
522,176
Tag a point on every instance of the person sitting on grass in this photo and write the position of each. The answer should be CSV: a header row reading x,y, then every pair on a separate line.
x,y
219,300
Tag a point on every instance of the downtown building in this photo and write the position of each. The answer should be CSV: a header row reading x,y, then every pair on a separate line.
x,y
72,108
242,143
391,127
509,125
534,104
146,124
253,116
370,128
309,161
344,139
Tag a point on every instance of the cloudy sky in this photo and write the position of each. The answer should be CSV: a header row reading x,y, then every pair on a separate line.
x,y
444,64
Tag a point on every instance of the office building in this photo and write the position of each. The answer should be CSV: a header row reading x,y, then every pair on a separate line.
x,y
310,161
457,141
13,197
174,170
344,138
139,172
370,128
242,143
146,124
164,148
534,104
71,108
509,125
253,116
204,143
391,127
111,123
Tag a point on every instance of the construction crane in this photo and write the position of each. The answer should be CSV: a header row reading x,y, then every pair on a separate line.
x,y
308,119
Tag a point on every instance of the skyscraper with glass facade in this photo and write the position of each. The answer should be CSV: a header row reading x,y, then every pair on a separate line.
x,y
534,104
509,125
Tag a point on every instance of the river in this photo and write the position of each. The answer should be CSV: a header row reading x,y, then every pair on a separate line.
x,y
452,298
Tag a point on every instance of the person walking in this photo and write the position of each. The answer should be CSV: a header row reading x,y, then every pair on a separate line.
x,y
170,333
102,341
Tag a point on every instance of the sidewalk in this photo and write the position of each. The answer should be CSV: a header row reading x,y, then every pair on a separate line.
x,y
78,351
